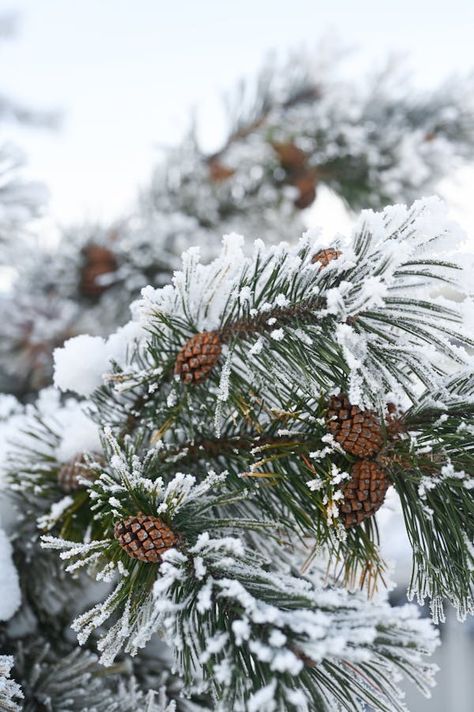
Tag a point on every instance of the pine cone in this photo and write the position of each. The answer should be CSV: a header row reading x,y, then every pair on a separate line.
x,y
365,492
299,174
98,261
198,356
324,257
306,183
291,157
358,431
218,172
72,472
145,537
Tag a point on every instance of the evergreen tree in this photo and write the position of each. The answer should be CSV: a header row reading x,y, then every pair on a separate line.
x,y
212,471
298,126
221,475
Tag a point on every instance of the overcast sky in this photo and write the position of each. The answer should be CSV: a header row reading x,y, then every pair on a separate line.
x,y
126,73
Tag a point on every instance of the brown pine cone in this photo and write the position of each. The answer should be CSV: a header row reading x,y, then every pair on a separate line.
x,y
145,537
364,494
291,157
299,174
307,184
324,257
358,431
198,356
218,172
98,260
72,471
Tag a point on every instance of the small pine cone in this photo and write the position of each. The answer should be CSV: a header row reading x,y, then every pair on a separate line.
x,y
358,431
291,157
98,261
218,172
324,257
364,494
198,356
72,471
145,537
306,183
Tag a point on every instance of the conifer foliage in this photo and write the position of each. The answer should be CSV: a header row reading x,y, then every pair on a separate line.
x,y
234,514
197,496
297,128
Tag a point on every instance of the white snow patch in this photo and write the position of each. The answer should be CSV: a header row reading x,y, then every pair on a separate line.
x,y
10,598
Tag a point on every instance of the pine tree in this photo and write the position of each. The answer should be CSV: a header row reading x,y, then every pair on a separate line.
x,y
238,438
298,126
213,484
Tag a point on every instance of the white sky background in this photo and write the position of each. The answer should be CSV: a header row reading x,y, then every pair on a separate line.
x,y
126,73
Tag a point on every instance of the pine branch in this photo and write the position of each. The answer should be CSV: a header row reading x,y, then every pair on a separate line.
x,y
297,385
275,398
238,403
231,614
71,680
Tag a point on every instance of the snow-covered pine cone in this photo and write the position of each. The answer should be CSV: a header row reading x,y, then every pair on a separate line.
x,y
198,356
358,431
364,493
145,537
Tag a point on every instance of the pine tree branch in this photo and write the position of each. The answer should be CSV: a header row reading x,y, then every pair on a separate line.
x,y
247,616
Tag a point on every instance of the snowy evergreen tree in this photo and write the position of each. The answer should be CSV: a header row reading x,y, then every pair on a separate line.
x,y
298,126
220,469
197,495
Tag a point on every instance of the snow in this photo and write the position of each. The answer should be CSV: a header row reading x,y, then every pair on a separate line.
x,y
9,689
241,631
263,700
79,433
75,429
10,598
8,406
80,365
119,343
47,521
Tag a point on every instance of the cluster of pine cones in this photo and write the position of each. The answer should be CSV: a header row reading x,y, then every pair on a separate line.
x,y
359,432
147,538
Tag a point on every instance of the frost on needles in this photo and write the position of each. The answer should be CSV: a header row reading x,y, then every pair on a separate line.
x,y
253,415
243,624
